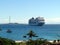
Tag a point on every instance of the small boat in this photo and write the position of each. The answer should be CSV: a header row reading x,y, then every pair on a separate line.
x,y
9,31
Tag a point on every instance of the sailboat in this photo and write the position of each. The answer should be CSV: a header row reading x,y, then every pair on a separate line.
x,y
10,22
9,31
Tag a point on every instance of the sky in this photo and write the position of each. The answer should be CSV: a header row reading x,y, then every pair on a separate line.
x,y
21,11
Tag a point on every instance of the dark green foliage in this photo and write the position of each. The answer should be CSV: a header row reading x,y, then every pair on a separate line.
x,y
4,41
54,41
24,36
58,40
37,42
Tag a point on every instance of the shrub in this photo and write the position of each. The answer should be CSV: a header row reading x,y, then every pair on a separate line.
x,y
5,41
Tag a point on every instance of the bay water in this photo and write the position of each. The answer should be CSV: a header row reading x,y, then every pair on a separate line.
x,y
47,31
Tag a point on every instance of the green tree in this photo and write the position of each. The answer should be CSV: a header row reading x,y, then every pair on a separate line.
x,y
38,41
30,34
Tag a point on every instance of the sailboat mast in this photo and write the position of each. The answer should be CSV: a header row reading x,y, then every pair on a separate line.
x,y
9,19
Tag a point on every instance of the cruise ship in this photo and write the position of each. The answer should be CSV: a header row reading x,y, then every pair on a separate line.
x,y
39,21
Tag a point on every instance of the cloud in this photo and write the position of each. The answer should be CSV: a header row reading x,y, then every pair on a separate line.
x,y
22,21
4,21
25,21
52,20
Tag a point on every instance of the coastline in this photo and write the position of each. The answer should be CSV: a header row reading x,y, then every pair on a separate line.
x,y
18,41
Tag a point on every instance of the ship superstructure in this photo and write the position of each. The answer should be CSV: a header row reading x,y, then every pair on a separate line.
x,y
37,21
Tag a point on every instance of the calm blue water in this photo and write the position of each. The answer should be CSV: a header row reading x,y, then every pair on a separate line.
x,y
47,31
